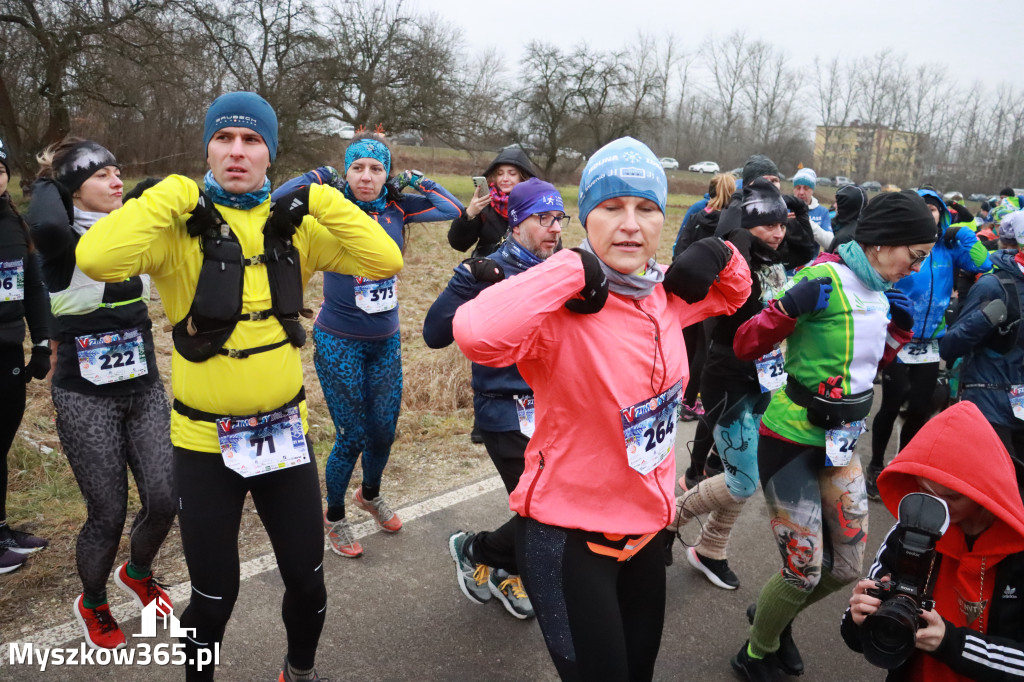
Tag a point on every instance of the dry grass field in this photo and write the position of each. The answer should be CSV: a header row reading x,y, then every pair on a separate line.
x,y
432,451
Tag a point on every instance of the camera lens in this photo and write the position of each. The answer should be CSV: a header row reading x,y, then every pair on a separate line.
x,y
889,633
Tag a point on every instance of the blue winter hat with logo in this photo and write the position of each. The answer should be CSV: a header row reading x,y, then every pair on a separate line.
x,y
242,110
625,167
531,197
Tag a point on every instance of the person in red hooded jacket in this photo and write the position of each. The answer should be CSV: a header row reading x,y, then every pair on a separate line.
x,y
976,629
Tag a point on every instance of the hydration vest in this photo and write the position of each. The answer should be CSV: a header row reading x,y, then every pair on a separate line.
x,y
217,306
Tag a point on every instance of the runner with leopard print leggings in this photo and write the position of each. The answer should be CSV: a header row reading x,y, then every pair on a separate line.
x,y
358,344
112,413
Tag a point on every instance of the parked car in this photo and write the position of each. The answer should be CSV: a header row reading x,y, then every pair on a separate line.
x,y
890,188
825,181
704,167
977,196
843,180
669,163
872,186
568,153
410,138
737,172
346,131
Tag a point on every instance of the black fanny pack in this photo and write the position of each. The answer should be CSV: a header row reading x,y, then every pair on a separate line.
x,y
201,416
829,413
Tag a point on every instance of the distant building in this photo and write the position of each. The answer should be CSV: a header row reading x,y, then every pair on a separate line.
x,y
868,152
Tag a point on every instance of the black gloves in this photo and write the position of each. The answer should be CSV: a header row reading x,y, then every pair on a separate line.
x,y
38,365
287,212
807,296
694,271
484,269
138,189
901,310
796,206
204,217
595,286
994,312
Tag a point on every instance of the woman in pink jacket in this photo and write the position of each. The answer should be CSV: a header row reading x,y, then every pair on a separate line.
x,y
596,331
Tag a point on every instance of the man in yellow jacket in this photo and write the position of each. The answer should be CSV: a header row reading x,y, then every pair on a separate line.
x,y
239,414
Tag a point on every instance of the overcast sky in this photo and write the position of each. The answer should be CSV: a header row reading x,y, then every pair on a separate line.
x,y
974,40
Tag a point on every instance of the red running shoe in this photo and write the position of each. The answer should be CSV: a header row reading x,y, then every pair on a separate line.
x,y
379,510
143,591
101,630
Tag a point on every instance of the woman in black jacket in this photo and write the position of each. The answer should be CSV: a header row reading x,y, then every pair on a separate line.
x,y
22,299
484,221
736,392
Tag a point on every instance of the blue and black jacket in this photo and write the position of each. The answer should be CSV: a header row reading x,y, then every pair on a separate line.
x,y
339,315
930,289
494,388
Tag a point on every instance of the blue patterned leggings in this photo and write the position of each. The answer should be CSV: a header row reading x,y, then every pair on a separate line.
x,y
362,383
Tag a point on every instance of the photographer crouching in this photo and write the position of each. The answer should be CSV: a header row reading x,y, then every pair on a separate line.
x,y
965,582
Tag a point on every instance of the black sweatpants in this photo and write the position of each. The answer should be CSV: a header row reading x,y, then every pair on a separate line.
x,y
497,548
1013,441
601,617
697,354
211,497
914,384
103,437
12,388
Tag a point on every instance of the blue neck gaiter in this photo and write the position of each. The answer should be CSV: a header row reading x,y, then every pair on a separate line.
x,y
853,255
518,255
375,206
245,201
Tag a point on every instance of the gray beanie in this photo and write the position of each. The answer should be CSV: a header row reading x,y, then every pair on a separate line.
x,y
758,166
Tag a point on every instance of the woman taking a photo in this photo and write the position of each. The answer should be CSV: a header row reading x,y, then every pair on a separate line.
x,y
112,413
597,331
23,299
482,225
358,345
841,319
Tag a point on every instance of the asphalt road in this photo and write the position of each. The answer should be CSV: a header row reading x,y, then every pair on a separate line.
x,y
397,614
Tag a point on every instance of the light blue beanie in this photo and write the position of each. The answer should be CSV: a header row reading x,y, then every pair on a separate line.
x,y
242,110
625,167
806,177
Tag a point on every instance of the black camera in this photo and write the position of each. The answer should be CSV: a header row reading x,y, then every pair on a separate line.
x,y
888,635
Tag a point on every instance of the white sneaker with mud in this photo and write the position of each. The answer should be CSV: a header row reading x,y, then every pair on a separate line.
x,y
379,510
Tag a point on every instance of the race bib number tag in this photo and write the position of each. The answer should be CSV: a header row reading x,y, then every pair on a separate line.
x,y
376,295
1017,401
524,408
840,443
770,371
650,429
251,446
919,352
12,280
116,356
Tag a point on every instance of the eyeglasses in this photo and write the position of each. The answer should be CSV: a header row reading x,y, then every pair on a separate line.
x,y
549,219
916,257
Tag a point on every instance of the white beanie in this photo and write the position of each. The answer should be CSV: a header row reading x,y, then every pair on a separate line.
x,y
805,176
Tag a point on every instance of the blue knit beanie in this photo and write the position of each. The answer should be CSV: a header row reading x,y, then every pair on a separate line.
x,y
530,197
625,167
806,177
242,110
368,148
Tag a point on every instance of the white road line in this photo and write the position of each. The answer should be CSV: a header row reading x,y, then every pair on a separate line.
x,y
61,635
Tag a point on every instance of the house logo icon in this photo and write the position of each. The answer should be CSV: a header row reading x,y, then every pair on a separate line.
x,y
160,610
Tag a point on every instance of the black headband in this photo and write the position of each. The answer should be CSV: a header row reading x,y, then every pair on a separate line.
x,y
80,162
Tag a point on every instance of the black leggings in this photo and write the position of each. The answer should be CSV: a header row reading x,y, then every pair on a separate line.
x,y
103,437
1013,441
914,384
497,548
697,353
12,388
601,617
210,511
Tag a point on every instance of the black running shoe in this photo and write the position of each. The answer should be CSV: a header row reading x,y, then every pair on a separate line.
x,y
871,483
716,570
756,669
788,656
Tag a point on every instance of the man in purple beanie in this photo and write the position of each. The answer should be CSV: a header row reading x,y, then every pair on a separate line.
x,y
486,561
